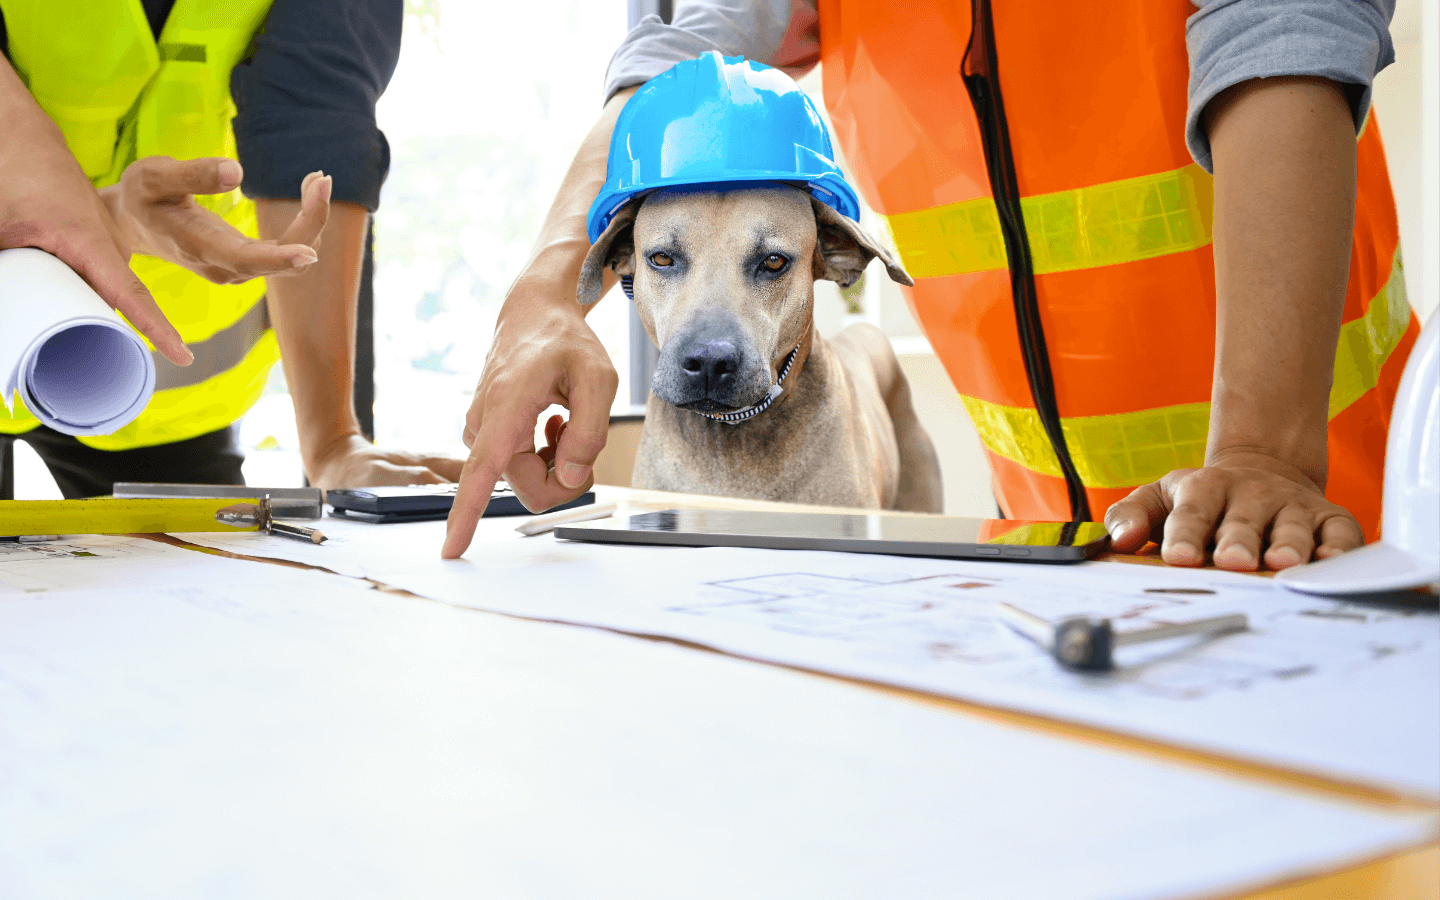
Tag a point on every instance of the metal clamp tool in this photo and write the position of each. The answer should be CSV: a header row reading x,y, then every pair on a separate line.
x,y
262,515
288,503
1087,643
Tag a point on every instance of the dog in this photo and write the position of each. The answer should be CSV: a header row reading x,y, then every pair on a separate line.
x,y
747,399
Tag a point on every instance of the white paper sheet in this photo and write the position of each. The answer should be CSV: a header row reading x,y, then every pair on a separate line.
x,y
229,729
79,368
1349,691
98,562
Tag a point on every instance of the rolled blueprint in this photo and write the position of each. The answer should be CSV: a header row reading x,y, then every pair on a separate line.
x,y
77,365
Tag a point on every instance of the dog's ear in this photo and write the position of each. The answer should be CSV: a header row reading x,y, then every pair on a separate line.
x,y
843,249
614,248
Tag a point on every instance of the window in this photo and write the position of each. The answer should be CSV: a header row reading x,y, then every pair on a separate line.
x,y
485,112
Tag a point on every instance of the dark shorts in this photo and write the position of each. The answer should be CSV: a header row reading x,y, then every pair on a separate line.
x,y
82,471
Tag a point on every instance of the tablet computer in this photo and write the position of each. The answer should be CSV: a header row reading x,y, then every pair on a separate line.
x,y
423,502
947,537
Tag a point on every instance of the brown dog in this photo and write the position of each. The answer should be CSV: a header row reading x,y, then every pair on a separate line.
x,y
747,400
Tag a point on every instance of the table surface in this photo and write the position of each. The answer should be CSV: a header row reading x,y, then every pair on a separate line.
x,y
1405,875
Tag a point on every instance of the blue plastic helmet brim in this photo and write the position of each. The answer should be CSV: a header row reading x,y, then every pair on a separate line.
x,y
834,192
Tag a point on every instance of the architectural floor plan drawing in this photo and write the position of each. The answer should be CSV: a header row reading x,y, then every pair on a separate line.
x,y
949,620
1348,690
31,568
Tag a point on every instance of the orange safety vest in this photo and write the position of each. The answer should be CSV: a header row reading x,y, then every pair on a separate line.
x,y
1080,333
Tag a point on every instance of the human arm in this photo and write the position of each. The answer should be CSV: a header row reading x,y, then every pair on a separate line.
x,y
1284,157
313,313
543,353
1278,91
47,202
306,100
780,33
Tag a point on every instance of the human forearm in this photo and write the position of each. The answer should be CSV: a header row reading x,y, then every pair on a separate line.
x,y
562,244
543,353
313,314
1284,152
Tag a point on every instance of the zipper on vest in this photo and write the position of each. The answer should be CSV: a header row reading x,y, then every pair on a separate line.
x,y
981,75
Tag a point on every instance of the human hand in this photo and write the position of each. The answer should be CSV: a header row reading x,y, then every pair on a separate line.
x,y
542,354
353,461
1252,504
46,202
155,212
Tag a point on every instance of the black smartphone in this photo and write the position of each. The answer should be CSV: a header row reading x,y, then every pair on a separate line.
x,y
948,537
423,502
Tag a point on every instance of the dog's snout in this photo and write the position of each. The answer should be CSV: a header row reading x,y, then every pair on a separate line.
x,y
710,367
711,364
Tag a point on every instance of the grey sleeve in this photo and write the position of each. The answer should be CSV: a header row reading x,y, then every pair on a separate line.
x,y
1230,41
773,32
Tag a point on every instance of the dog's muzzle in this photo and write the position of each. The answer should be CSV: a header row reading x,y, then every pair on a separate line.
x,y
750,412
711,367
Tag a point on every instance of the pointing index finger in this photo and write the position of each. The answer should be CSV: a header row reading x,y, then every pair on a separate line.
x,y
477,482
489,455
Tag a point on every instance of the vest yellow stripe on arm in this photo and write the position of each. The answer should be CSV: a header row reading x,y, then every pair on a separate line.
x,y
1135,448
1101,225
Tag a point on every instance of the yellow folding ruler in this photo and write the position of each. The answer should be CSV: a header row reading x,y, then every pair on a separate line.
x,y
111,515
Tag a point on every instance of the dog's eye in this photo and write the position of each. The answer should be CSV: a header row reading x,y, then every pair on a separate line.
x,y
661,260
774,262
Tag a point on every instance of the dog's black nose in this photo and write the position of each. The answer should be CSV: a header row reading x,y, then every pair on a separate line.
x,y
710,366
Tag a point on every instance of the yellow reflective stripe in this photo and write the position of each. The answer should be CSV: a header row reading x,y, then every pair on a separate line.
x,y
1122,450
949,240
1367,342
1130,449
1101,225
1120,222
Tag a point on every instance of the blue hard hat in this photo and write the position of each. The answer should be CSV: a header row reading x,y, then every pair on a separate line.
x,y
713,120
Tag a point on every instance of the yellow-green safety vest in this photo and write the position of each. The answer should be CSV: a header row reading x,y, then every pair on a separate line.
x,y
118,95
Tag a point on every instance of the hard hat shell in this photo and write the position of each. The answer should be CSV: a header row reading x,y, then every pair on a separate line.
x,y
713,120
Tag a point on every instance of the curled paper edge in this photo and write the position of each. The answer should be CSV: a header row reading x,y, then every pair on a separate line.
x,y
71,303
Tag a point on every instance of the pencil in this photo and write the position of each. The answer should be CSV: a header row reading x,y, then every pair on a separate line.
x,y
549,521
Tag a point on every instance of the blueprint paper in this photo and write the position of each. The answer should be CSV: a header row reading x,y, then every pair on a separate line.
x,y
79,368
1347,691
230,729
101,562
